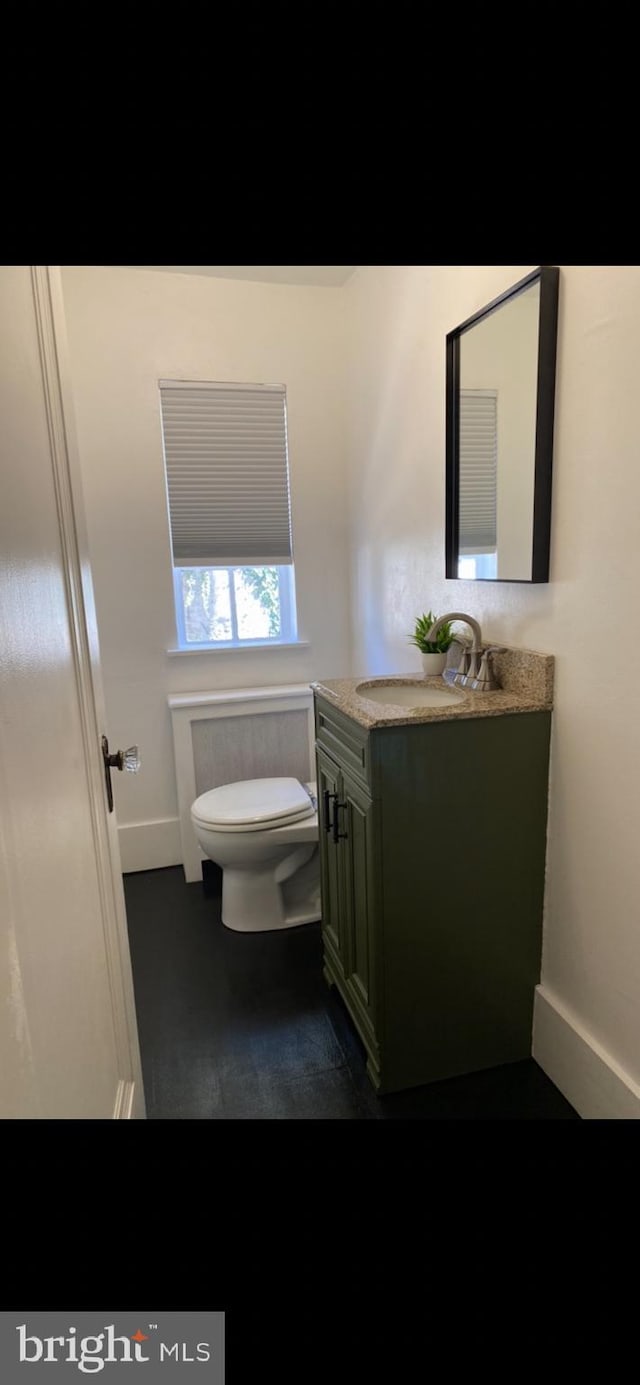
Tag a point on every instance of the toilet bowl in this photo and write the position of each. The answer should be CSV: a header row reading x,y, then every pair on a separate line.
x,y
264,835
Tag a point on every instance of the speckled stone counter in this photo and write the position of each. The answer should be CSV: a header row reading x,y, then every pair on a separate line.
x,y
526,680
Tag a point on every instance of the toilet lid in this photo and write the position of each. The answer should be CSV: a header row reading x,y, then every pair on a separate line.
x,y
257,801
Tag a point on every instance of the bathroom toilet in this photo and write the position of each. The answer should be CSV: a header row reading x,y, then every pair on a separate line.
x,y
264,835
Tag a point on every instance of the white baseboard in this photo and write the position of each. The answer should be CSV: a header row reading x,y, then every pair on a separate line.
x,y
597,1087
150,845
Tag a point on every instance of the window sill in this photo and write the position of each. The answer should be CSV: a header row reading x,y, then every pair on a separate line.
x,y
238,648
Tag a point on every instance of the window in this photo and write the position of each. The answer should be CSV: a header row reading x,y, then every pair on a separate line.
x,y
478,544
481,566
227,474
234,605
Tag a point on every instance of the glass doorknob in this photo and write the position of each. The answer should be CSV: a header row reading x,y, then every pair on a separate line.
x,y
130,759
120,759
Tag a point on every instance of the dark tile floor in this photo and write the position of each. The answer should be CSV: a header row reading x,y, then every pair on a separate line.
x,y
243,1026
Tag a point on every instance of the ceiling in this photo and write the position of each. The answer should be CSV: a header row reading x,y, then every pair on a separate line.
x,y
327,276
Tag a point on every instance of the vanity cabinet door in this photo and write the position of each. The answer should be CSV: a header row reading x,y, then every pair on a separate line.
x,y
329,787
357,851
350,897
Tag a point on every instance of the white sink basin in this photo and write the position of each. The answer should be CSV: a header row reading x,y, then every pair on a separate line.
x,y
408,694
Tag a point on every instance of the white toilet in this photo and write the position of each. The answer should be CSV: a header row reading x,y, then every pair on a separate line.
x,y
264,835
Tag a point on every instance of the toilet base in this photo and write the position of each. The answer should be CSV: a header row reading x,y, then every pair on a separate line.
x,y
254,902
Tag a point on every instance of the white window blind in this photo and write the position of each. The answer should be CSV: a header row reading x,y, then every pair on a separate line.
x,y
225,452
478,470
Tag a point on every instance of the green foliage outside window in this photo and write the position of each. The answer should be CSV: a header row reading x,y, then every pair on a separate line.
x,y
207,613
263,582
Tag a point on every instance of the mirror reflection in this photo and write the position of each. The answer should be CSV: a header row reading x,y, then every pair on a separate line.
x,y
500,404
497,439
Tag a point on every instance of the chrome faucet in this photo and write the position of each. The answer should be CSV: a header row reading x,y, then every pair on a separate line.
x,y
478,678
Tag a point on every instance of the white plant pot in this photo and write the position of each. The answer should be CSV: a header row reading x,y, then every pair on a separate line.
x,y
433,663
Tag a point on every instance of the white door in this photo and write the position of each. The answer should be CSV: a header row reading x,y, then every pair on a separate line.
x,y
68,1037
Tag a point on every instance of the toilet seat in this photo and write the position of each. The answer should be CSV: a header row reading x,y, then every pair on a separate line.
x,y
253,805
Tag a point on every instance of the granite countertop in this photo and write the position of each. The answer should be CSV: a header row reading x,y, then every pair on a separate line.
x,y
526,680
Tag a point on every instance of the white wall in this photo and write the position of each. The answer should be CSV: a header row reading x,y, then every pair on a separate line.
x,y
585,616
128,328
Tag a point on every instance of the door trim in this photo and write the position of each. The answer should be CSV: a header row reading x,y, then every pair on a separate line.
x,y
52,342
123,1109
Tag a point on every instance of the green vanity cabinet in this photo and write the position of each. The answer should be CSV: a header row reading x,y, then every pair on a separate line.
x,y
347,822
432,849
329,787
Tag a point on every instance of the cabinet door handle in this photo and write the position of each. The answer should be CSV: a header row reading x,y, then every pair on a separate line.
x,y
327,814
336,834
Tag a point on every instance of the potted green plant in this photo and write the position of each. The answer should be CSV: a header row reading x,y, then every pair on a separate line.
x,y
434,652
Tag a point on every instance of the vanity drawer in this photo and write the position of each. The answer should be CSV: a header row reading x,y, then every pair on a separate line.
x,y
347,742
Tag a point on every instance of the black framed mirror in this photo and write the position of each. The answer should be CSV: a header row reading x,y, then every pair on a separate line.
x,y
501,370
